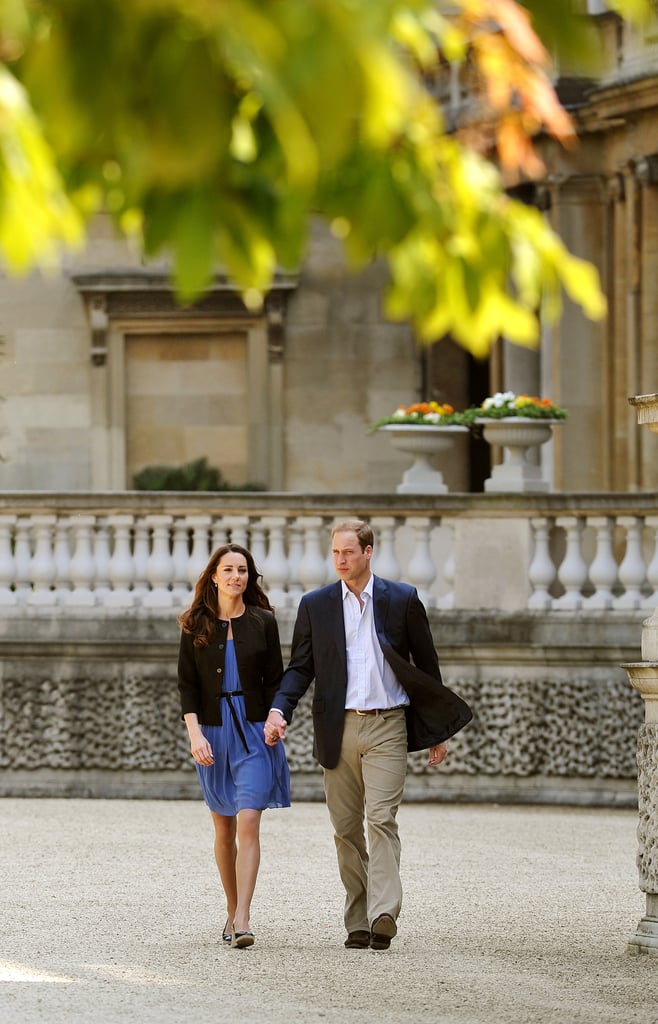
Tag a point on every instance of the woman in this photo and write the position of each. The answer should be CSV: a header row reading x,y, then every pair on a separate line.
x,y
229,667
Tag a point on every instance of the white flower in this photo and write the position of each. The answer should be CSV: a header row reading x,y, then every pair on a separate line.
x,y
432,417
500,399
399,414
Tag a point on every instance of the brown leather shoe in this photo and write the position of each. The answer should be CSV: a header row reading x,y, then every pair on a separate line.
x,y
383,930
357,940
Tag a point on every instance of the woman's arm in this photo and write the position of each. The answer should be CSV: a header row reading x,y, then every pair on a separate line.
x,y
188,678
199,746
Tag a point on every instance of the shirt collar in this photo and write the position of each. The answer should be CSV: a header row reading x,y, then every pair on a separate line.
x,y
366,590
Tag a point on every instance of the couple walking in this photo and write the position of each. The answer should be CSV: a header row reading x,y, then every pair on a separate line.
x,y
378,693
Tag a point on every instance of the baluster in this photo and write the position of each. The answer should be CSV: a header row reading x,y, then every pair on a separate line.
x,y
160,566
651,601
421,570
329,567
257,543
102,560
295,555
384,560
237,528
603,570
332,521
632,570
141,553
220,535
180,552
7,562
200,553
275,566
121,571
541,571
22,559
62,558
572,573
312,568
82,567
447,600
42,565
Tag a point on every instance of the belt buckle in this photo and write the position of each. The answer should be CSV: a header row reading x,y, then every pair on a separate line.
x,y
362,713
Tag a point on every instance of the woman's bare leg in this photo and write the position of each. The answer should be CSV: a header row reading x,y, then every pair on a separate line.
x,y
246,864
226,856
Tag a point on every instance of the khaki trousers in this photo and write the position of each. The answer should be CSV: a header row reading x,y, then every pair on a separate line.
x,y
369,777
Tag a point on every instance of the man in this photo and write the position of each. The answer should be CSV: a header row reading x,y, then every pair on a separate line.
x,y
370,705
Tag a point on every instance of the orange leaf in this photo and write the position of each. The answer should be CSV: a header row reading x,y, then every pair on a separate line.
x,y
515,23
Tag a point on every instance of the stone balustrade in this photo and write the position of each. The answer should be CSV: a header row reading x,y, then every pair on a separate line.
x,y
145,550
534,604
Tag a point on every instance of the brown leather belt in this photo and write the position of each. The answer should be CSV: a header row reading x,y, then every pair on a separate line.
x,y
375,711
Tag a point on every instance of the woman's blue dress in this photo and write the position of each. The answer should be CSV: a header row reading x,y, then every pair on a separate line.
x,y
239,778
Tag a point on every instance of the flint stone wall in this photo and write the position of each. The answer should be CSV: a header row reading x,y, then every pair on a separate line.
x,y
89,707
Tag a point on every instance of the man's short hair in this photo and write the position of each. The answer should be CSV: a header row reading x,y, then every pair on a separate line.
x,y
362,530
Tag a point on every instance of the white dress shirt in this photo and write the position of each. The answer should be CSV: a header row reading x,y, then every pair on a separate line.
x,y
371,682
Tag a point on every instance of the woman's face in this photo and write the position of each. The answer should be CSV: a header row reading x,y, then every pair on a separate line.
x,y
231,575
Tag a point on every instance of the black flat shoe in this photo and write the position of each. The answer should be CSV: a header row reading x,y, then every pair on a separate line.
x,y
240,940
226,935
357,940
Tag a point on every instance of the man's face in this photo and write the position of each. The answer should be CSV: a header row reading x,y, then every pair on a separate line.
x,y
350,562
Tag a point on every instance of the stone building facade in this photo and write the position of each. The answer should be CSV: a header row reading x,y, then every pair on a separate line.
x,y
104,375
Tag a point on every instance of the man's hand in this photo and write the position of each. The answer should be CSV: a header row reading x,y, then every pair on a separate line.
x,y
274,728
438,753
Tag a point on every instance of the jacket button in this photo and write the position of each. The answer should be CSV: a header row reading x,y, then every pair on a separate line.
x,y
219,671
221,647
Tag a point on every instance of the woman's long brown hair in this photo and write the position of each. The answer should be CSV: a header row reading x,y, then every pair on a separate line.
x,y
200,618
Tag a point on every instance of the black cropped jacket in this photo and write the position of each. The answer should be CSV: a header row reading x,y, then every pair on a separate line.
x,y
258,654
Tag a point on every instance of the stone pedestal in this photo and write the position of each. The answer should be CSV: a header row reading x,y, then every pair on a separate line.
x,y
643,676
423,442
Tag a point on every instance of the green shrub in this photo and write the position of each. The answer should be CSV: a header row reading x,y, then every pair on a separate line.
x,y
194,476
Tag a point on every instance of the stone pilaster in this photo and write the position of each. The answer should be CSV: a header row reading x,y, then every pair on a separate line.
x,y
643,676
571,349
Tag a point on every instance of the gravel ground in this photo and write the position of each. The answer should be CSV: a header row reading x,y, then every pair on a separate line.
x,y
110,911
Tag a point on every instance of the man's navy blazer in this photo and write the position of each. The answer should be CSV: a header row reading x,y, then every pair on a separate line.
x,y
318,652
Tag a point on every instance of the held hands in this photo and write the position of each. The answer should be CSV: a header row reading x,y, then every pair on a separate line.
x,y
274,728
438,754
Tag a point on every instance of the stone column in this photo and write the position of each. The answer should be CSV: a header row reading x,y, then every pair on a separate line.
x,y
643,676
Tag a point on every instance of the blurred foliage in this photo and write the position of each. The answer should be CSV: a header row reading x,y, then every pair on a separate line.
x,y
213,131
193,476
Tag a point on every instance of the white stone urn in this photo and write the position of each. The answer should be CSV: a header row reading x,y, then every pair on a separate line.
x,y
423,441
517,435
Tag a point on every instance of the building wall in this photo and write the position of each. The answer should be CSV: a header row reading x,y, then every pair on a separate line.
x,y
345,367
285,398
172,385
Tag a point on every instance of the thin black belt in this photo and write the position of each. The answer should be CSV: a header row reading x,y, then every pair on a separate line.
x,y
236,693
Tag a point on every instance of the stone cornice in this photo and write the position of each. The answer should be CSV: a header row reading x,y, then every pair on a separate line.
x,y
608,107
